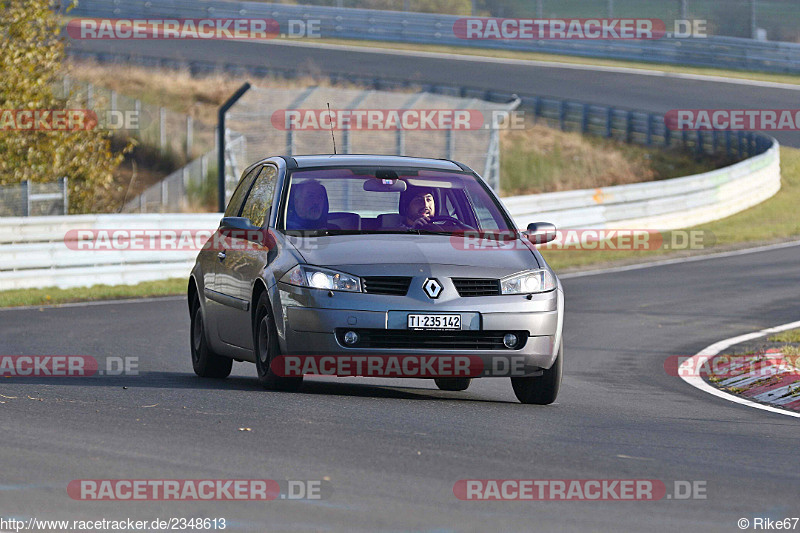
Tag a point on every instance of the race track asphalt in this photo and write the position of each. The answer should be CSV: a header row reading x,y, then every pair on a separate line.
x,y
393,449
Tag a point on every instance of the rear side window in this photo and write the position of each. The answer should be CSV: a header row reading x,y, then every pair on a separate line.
x,y
235,204
259,201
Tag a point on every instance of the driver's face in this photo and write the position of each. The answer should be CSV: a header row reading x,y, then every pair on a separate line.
x,y
421,205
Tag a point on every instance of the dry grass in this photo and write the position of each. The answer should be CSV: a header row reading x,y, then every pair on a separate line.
x,y
543,159
178,90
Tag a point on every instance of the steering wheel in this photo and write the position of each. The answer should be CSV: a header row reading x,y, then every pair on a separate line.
x,y
448,219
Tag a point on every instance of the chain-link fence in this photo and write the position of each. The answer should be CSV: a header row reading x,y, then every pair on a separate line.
x,y
173,133
193,187
422,124
34,199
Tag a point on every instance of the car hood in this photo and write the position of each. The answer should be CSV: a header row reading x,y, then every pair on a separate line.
x,y
400,254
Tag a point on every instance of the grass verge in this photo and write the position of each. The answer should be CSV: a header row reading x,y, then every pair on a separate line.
x,y
52,295
792,335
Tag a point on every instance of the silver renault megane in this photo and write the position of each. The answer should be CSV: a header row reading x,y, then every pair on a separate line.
x,y
343,258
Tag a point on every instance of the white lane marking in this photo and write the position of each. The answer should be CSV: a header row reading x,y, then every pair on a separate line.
x,y
718,255
95,302
537,63
703,355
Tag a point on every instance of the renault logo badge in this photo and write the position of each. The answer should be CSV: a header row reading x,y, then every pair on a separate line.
x,y
432,288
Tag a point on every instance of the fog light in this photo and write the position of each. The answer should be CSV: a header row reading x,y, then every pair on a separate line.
x,y
351,337
510,340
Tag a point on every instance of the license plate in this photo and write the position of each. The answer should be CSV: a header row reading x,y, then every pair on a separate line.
x,y
434,321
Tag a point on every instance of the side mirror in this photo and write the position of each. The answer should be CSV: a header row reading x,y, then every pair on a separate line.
x,y
541,232
236,223
242,228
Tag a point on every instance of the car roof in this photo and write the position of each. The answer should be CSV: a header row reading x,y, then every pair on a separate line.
x,y
329,160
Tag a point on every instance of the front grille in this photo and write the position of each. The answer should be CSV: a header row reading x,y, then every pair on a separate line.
x,y
392,285
477,286
431,340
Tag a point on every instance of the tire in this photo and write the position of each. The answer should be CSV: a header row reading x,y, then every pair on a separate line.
x,y
541,390
267,348
452,384
205,362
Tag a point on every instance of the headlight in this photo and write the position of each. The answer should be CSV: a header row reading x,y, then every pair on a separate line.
x,y
321,278
528,282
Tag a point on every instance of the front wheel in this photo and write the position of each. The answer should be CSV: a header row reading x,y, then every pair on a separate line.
x,y
267,349
541,390
205,362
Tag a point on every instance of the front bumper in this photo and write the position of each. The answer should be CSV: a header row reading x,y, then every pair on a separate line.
x,y
312,318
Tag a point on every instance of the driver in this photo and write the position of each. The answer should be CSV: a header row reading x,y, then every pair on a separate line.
x,y
308,207
418,206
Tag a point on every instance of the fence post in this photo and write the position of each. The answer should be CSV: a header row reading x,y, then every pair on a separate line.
x,y
400,141
609,122
137,107
667,135
585,119
700,141
562,114
26,198
189,136
629,127
649,135
113,100
164,194
162,128
65,185
450,138
185,186
728,142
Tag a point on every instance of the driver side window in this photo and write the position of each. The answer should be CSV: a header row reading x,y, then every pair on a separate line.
x,y
259,201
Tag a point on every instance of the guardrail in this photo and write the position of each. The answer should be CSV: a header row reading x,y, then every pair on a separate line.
x,y
425,28
34,251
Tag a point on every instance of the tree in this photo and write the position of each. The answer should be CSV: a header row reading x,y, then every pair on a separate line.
x,y
31,65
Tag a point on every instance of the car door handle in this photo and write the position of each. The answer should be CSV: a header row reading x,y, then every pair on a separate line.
x,y
222,255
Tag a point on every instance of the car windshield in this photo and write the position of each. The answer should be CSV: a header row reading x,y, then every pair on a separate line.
x,y
388,200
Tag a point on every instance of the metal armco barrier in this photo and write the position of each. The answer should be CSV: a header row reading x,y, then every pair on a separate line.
x,y
424,28
33,252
